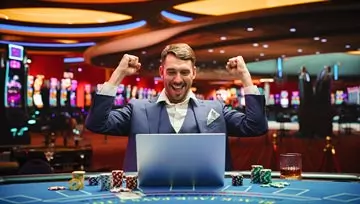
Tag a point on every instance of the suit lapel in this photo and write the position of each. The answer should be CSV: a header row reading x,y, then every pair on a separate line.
x,y
201,112
152,112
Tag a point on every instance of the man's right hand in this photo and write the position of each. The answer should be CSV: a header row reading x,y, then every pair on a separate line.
x,y
128,65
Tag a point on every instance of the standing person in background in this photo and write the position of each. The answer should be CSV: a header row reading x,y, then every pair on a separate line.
x,y
324,112
305,112
176,109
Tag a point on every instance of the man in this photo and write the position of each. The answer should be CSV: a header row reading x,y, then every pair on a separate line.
x,y
176,109
306,109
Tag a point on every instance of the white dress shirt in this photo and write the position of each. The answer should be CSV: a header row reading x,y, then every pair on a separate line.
x,y
176,112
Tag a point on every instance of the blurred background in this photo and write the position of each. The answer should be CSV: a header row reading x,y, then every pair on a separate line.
x,y
304,56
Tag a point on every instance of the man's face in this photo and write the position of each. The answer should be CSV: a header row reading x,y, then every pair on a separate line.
x,y
178,76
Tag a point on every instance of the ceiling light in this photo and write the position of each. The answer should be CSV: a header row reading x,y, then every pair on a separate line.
x,y
265,46
347,46
210,50
257,59
143,52
222,51
317,52
262,54
49,15
316,38
255,44
250,29
214,62
323,40
292,30
283,56
299,50
223,38
101,21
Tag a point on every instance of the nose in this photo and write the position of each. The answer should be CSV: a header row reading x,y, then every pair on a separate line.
x,y
177,78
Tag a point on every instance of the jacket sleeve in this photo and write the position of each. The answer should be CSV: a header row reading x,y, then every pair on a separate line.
x,y
103,119
251,123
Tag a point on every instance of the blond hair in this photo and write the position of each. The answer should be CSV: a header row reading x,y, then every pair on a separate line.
x,y
181,51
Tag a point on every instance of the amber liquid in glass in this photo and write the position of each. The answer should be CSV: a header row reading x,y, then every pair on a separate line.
x,y
290,173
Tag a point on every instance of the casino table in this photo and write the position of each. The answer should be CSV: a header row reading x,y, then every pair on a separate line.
x,y
313,188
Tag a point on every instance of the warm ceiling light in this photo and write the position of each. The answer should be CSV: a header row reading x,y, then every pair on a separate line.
x,y
356,52
347,46
317,52
262,54
255,44
265,45
223,38
323,40
299,50
61,15
96,1
67,41
316,38
219,7
210,50
292,30
222,51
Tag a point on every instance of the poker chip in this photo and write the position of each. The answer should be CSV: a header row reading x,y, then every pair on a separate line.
x,y
75,184
131,182
117,178
80,176
93,180
237,179
265,176
105,181
56,188
255,173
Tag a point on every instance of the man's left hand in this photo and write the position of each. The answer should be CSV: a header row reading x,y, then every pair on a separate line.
x,y
236,66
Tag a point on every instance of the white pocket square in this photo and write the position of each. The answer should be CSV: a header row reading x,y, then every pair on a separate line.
x,y
213,115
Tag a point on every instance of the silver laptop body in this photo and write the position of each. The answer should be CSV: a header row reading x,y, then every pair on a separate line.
x,y
181,159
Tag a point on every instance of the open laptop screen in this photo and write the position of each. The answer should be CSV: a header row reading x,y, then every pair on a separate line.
x,y
181,159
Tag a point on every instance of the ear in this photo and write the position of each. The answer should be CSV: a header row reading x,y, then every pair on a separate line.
x,y
161,71
194,72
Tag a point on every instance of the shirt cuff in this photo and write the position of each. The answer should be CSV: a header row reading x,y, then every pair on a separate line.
x,y
251,90
107,89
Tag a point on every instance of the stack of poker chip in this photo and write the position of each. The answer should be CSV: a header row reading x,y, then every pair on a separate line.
x,y
77,181
93,180
255,173
131,182
237,179
117,178
105,181
265,176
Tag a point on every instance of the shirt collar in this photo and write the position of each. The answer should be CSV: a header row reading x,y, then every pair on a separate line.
x,y
162,97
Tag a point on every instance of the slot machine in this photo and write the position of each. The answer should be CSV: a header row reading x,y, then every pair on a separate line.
x,y
88,97
73,88
295,98
53,92
271,100
141,93
339,97
38,83
284,99
13,73
119,98
64,85
30,91
128,92
134,92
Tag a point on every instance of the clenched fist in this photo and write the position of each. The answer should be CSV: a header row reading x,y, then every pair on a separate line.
x,y
236,66
128,65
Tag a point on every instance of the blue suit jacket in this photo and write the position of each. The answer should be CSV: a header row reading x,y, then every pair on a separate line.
x,y
141,116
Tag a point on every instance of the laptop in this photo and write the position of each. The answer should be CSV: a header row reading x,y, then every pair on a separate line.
x,y
181,159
